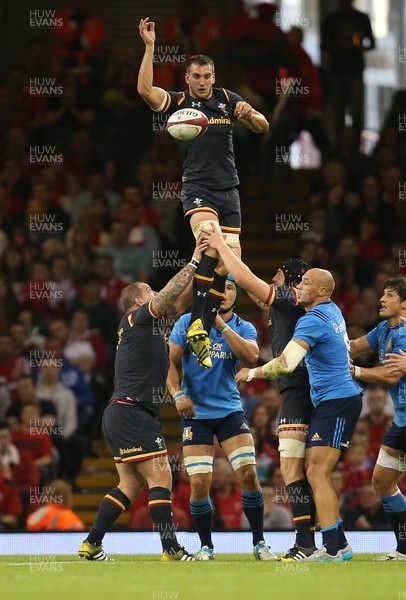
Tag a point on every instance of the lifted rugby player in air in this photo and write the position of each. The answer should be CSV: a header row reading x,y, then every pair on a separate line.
x,y
209,174
210,405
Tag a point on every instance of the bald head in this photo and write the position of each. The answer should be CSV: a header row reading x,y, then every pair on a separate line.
x,y
316,286
324,279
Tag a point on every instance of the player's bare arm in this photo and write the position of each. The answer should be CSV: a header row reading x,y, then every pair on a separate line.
x,y
280,366
164,303
154,96
184,405
360,347
242,274
381,375
396,362
251,117
245,350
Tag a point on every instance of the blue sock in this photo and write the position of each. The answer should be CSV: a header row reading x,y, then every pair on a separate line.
x,y
202,513
330,539
253,505
342,540
395,508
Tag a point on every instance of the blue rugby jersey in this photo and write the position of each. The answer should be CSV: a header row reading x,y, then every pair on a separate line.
x,y
327,360
383,339
214,392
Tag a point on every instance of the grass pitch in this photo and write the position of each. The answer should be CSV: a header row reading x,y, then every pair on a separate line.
x,y
229,577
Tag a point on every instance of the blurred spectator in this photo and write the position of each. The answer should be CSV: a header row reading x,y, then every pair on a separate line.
x,y
79,246
22,470
227,495
347,256
378,421
266,455
261,419
304,102
102,315
143,214
31,435
80,39
370,246
345,35
27,394
49,388
60,275
8,304
10,504
56,514
40,293
96,188
368,513
130,263
12,365
70,375
142,236
79,331
357,470
338,483
112,286
276,518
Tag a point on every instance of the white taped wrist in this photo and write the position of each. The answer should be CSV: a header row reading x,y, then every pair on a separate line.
x,y
251,374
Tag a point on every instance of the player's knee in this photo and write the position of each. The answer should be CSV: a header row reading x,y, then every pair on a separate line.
x,y
247,477
313,473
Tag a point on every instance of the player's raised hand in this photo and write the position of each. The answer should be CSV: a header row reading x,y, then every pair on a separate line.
x,y
201,246
216,239
243,110
185,407
242,375
147,31
396,362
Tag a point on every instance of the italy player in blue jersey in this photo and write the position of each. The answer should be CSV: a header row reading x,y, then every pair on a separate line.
x,y
210,405
320,336
388,341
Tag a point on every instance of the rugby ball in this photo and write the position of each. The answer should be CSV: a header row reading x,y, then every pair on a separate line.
x,y
187,124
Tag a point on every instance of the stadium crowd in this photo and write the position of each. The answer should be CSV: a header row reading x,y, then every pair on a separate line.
x,y
90,201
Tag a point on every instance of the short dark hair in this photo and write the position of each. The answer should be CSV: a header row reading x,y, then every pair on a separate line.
x,y
398,284
199,59
128,294
4,425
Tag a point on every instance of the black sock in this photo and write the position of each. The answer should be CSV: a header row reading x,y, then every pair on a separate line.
x,y
313,517
395,509
213,300
160,507
253,505
202,282
342,540
330,539
300,498
111,507
202,513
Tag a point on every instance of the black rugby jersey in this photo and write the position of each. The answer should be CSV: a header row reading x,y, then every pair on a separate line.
x,y
142,361
283,316
209,160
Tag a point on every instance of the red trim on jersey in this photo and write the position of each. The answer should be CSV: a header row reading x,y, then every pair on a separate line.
x,y
271,295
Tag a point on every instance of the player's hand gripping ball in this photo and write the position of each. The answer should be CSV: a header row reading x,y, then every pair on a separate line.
x,y
187,124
